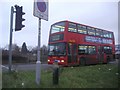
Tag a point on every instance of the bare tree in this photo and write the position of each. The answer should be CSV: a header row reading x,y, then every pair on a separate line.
x,y
15,49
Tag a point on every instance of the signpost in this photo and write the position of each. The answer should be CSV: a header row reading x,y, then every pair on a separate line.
x,y
40,11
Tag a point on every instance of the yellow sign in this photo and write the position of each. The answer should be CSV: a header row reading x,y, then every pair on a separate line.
x,y
72,41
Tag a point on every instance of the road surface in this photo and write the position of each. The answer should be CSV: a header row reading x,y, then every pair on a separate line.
x,y
26,67
32,67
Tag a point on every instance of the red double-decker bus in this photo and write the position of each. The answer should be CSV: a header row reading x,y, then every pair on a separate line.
x,y
72,43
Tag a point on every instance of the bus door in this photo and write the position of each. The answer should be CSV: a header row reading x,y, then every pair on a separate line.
x,y
91,55
72,53
100,54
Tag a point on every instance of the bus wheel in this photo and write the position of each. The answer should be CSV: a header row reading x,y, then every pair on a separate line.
x,y
82,61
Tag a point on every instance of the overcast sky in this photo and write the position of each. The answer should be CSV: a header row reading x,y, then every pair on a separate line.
x,y
97,13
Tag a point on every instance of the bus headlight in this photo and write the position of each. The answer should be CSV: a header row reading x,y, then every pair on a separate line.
x,y
62,60
48,60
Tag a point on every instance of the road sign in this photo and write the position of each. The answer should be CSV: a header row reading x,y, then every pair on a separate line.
x,y
41,9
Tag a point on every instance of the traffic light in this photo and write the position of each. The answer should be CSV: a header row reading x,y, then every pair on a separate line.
x,y
19,19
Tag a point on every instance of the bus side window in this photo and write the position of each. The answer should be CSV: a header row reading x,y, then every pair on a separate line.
x,y
58,27
107,49
110,35
82,29
107,34
72,27
91,49
98,32
82,49
91,31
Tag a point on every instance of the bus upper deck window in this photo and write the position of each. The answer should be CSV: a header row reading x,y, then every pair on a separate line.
x,y
105,34
58,27
91,31
110,35
82,29
98,32
72,27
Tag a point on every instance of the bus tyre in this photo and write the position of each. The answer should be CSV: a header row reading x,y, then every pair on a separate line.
x,y
82,61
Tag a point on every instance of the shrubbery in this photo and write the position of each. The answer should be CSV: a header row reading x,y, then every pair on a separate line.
x,y
23,55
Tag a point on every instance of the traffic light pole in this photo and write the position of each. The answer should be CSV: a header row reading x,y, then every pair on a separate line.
x,y
10,43
38,63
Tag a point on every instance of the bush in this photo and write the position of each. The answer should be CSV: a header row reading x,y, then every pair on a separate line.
x,y
15,59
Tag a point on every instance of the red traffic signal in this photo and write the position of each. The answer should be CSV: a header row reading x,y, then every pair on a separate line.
x,y
19,19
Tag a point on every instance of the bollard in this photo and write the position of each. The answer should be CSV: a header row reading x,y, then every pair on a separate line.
x,y
56,73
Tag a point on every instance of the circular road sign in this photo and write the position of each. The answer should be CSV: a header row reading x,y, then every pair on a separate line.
x,y
41,6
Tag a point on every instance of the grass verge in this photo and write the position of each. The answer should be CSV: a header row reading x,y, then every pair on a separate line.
x,y
93,76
